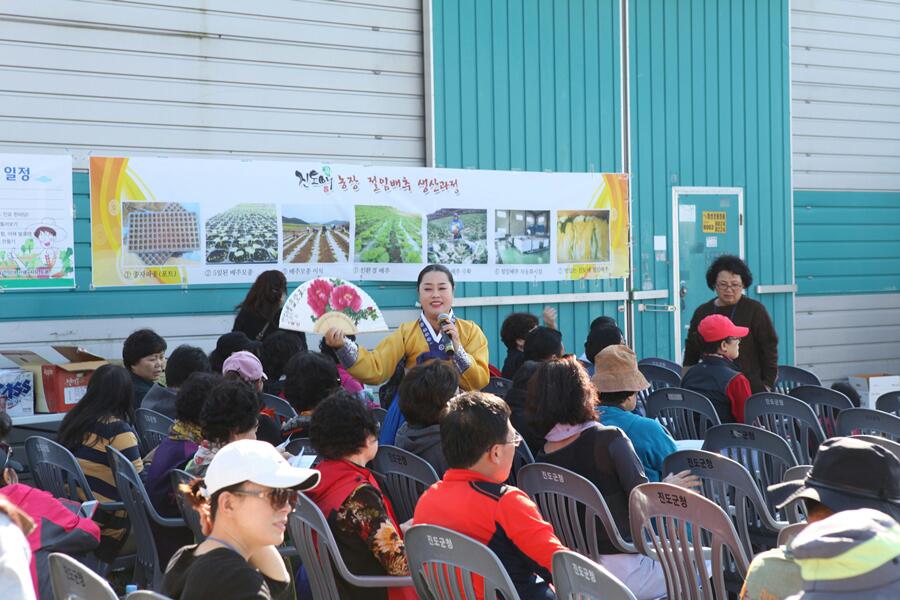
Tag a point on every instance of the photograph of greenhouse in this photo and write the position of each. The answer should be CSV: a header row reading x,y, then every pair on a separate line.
x,y
582,236
457,236
522,237
245,233
387,235
315,233
161,233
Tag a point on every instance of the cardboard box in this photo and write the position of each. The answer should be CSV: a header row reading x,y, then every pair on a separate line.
x,y
871,385
57,387
17,392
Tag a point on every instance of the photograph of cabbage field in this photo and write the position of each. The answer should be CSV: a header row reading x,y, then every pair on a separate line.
x,y
387,235
457,236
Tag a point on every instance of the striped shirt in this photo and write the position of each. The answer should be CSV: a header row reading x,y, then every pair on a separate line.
x,y
91,455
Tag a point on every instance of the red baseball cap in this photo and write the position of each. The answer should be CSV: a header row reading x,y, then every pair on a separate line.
x,y
715,328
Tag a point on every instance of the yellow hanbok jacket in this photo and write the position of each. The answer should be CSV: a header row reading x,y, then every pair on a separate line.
x,y
376,366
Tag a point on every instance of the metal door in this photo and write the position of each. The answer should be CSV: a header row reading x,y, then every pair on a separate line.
x,y
707,222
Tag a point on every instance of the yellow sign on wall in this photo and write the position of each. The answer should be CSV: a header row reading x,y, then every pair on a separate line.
x,y
714,221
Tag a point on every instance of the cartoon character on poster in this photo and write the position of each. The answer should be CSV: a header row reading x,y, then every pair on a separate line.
x,y
41,255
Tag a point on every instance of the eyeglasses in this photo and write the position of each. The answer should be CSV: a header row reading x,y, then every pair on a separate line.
x,y
278,497
516,441
724,286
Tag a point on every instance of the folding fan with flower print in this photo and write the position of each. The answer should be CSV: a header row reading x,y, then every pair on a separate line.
x,y
320,304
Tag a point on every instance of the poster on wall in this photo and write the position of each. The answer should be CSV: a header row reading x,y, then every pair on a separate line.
x,y
37,250
158,221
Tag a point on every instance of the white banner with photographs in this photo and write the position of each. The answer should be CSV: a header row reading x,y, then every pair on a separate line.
x,y
194,221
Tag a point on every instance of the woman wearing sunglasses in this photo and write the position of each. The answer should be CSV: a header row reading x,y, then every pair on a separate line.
x,y
243,501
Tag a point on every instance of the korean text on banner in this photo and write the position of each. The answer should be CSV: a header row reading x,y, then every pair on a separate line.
x,y
36,222
184,221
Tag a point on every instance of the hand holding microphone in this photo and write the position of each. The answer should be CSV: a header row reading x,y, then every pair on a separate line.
x,y
449,331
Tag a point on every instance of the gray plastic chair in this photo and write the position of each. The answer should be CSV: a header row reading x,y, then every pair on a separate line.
x,y
765,455
575,508
405,476
71,580
687,415
522,458
281,407
320,555
147,570
152,428
790,532
729,484
659,378
680,525
379,414
889,402
796,510
579,578
663,363
191,517
792,419
798,472
867,421
498,386
296,444
825,402
889,445
56,470
442,563
161,399
790,377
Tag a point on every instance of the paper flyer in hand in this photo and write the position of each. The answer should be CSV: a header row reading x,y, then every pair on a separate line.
x,y
325,302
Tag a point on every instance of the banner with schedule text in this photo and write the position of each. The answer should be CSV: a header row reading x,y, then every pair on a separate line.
x,y
158,221
37,247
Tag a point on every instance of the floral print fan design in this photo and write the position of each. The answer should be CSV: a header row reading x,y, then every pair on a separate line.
x,y
320,304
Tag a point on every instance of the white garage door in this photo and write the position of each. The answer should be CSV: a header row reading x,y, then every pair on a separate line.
x,y
325,79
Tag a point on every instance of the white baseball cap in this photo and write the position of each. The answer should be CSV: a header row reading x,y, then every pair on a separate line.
x,y
258,462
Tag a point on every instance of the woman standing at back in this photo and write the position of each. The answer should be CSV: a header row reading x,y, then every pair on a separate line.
x,y
104,417
259,313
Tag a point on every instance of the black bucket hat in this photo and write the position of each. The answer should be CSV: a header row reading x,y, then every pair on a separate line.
x,y
847,474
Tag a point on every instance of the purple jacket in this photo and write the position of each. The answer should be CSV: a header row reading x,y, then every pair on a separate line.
x,y
170,454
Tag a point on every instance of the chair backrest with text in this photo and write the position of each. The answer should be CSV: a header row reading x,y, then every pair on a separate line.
x,y
446,565
825,402
577,577
56,470
71,580
687,415
152,427
790,377
788,417
866,421
679,525
405,477
575,508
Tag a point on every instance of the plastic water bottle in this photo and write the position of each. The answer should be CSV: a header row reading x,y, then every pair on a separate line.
x,y
131,587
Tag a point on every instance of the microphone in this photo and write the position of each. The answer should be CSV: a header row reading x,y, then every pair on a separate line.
x,y
444,319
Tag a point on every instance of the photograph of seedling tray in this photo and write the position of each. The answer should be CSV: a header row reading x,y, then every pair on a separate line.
x,y
245,233
316,233
159,233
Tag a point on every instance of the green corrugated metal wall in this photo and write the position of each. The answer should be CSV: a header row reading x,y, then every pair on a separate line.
x,y
531,86
534,85
710,91
847,242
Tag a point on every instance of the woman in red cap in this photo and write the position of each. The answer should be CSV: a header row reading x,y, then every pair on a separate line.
x,y
716,376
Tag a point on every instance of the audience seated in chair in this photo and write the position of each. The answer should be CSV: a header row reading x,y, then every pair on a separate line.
x,y
479,443
345,434
541,344
244,501
424,393
57,527
618,380
104,417
228,344
144,355
185,437
183,361
716,376
605,333
310,377
277,349
561,402
230,413
245,366
513,331
847,474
